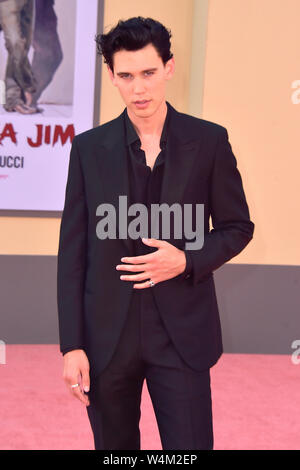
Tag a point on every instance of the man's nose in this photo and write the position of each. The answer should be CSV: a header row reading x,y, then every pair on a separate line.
x,y
138,85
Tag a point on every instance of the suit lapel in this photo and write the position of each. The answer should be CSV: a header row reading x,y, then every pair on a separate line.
x,y
181,151
112,161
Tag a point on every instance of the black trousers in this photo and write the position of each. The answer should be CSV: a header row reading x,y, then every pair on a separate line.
x,y
181,397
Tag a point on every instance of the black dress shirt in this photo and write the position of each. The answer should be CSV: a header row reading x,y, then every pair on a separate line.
x,y
145,184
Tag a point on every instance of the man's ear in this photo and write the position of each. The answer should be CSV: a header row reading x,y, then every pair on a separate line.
x,y
170,68
110,73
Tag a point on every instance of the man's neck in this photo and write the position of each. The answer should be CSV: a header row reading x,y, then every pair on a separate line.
x,y
150,127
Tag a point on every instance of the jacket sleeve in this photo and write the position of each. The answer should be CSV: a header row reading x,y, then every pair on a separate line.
x,y
232,227
188,272
71,261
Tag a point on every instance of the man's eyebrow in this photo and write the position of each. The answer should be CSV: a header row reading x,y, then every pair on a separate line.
x,y
146,70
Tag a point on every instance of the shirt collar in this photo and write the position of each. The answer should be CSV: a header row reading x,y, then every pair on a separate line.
x,y
132,136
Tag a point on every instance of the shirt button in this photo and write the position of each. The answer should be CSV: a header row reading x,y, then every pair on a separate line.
x,y
187,276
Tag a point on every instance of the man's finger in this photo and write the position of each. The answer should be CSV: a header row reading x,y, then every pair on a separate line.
x,y
135,277
153,242
80,395
76,390
131,267
138,259
85,380
142,285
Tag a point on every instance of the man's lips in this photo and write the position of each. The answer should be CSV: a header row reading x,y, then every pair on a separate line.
x,y
141,101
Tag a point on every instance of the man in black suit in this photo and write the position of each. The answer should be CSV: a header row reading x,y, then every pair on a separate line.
x,y
132,309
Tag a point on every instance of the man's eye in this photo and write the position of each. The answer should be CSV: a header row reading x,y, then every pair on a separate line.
x,y
127,75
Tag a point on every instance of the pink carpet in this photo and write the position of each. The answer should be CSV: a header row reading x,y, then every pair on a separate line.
x,y
256,403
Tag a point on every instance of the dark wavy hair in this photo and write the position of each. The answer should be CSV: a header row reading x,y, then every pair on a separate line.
x,y
133,34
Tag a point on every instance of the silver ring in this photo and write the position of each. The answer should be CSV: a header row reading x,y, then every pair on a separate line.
x,y
75,385
151,283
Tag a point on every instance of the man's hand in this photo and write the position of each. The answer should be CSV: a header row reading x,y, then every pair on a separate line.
x,y
76,370
166,262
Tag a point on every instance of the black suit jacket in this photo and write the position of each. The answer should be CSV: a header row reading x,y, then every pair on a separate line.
x,y
92,300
